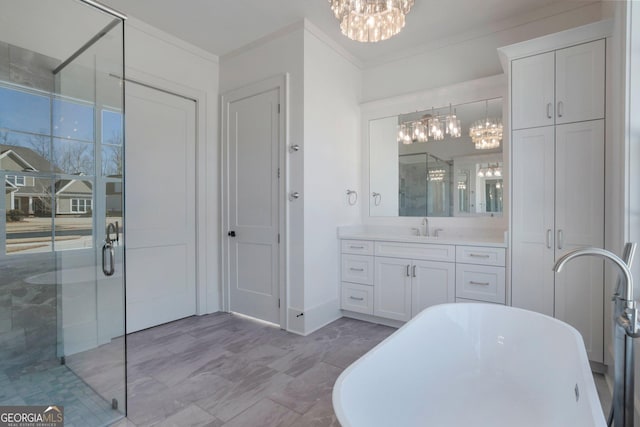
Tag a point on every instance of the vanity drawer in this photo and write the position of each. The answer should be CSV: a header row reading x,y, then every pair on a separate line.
x,y
358,247
429,252
358,298
357,269
479,282
480,255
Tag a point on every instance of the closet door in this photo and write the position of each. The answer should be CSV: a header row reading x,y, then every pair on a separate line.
x,y
580,223
533,219
532,91
580,82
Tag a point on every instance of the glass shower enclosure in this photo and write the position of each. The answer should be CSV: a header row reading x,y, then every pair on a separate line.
x,y
62,291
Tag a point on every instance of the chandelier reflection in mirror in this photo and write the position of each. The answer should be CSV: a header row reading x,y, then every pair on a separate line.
x,y
371,20
433,126
486,134
490,171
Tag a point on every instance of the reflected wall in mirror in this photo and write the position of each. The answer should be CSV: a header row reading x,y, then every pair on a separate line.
x,y
438,162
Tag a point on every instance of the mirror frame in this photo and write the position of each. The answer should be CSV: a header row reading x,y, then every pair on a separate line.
x,y
461,93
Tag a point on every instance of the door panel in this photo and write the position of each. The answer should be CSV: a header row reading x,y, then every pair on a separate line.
x,y
392,289
533,219
160,196
253,139
580,223
433,283
580,82
532,91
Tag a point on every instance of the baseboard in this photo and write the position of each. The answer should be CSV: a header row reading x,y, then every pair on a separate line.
x,y
372,319
295,320
321,315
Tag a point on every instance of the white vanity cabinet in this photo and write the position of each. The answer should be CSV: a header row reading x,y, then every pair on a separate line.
x,y
392,290
557,177
404,287
356,292
480,274
409,277
561,86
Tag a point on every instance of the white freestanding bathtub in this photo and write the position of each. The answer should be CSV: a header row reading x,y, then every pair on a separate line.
x,y
472,365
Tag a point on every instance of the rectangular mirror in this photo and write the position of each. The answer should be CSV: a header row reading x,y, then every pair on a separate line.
x,y
441,162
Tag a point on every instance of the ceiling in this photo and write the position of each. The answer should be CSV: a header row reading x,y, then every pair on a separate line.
x,y
222,26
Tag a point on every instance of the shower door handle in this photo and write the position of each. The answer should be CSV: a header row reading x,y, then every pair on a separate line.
x,y
108,259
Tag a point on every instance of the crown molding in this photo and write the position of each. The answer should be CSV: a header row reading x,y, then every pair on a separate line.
x,y
169,38
483,31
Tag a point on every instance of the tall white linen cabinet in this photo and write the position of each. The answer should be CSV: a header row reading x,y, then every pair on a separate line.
x,y
557,158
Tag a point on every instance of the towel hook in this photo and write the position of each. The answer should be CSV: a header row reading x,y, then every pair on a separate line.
x,y
377,198
352,197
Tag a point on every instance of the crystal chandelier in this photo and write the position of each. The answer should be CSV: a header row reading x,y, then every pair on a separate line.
x,y
486,134
432,126
371,20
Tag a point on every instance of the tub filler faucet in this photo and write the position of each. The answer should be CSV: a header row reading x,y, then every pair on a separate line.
x,y
625,316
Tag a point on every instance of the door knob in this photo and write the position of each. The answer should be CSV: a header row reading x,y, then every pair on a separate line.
x,y
231,233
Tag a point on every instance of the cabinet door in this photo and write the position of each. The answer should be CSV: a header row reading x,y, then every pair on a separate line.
x,y
533,219
532,91
432,283
580,82
392,288
579,223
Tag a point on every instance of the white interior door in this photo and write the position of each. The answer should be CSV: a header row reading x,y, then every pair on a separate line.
x,y
253,139
161,207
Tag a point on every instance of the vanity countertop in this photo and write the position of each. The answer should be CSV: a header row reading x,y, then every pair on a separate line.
x,y
357,233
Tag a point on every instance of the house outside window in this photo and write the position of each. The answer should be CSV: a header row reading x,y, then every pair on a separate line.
x,y
80,205
18,181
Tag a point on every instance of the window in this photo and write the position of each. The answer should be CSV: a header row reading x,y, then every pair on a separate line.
x,y
80,205
18,181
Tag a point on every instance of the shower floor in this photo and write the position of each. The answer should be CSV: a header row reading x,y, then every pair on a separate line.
x,y
50,383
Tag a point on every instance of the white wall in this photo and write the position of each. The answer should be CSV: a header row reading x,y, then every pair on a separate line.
x,y
275,55
332,87
467,56
161,60
383,159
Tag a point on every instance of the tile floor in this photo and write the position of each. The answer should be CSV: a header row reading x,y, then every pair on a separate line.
x,y
226,370
52,382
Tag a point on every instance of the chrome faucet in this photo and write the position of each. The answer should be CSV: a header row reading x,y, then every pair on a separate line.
x,y
603,253
425,224
625,315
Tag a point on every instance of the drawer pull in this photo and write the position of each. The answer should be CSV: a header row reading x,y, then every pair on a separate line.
x,y
356,269
356,298
479,256
471,282
356,247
